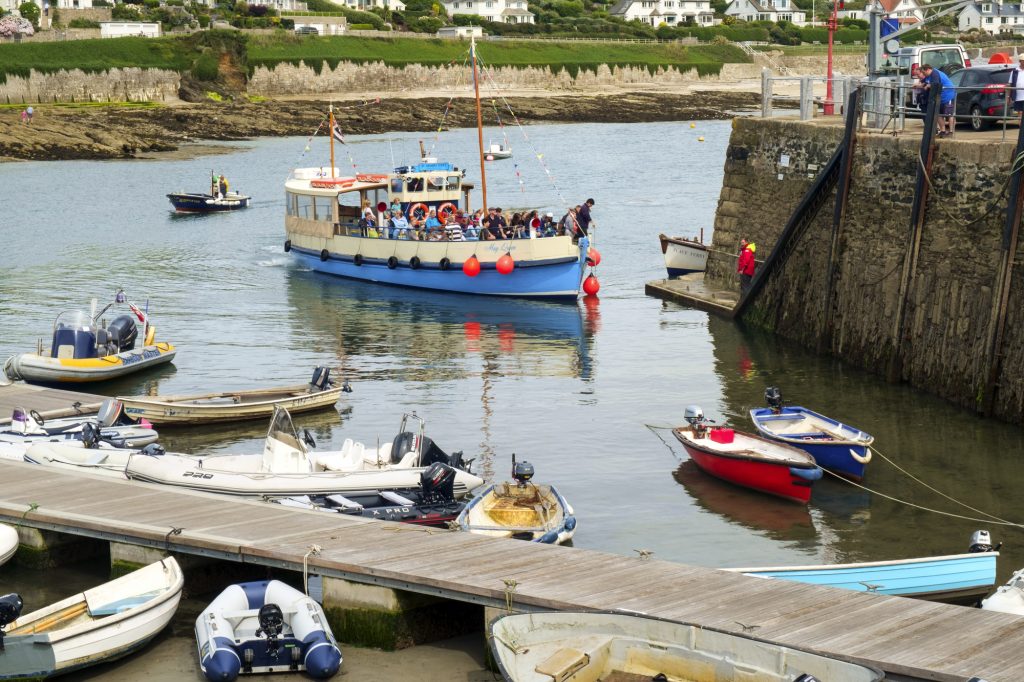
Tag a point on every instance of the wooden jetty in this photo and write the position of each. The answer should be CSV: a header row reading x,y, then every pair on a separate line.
x,y
51,403
691,290
908,638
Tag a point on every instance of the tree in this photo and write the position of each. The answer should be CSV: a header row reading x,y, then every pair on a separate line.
x,y
30,11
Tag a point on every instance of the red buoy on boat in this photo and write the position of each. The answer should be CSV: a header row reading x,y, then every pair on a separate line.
x,y
505,264
471,267
591,286
593,256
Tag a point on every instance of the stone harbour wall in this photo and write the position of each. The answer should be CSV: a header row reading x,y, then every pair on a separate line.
x,y
116,85
949,304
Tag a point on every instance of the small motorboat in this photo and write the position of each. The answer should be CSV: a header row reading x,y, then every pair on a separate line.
x,y
290,467
208,408
684,256
28,427
433,504
97,626
85,348
8,545
835,446
265,627
192,202
521,510
955,578
498,151
594,645
748,460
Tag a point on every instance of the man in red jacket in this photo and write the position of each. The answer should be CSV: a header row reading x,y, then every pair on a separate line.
x,y
745,266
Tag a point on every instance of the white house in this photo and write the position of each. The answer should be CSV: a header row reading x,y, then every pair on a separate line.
x,y
394,5
992,17
907,11
279,5
767,10
668,12
73,4
120,29
325,26
460,32
500,11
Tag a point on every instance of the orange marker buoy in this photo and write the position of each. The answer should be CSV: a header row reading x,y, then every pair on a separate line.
x,y
505,264
471,267
591,286
593,256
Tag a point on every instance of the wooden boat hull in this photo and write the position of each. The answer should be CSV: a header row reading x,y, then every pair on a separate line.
x,y
187,202
485,515
790,476
839,447
683,256
203,409
91,628
8,543
35,368
956,578
592,646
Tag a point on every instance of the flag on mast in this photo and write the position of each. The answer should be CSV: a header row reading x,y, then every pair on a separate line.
x,y
336,133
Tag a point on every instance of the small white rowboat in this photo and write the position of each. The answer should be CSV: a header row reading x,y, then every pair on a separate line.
x,y
96,626
683,256
8,543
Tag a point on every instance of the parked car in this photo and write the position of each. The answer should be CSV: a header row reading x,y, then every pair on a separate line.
x,y
981,92
307,31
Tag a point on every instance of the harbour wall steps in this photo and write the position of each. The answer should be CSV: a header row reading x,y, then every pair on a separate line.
x,y
928,323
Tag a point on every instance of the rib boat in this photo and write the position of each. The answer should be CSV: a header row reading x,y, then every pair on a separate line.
x,y
28,427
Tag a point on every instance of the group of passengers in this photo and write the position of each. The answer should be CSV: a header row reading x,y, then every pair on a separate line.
x,y
424,224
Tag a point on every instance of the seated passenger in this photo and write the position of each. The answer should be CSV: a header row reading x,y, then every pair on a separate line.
x,y
547,225
517,226
396,205
432,225
368,223
399,226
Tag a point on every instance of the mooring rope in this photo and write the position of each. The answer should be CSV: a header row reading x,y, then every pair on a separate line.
x,y
510,586
1017,164
314,550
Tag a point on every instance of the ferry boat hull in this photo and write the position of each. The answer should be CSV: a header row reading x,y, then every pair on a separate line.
x,y
683,256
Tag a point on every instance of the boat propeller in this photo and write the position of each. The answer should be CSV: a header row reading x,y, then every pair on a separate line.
x,y
10,611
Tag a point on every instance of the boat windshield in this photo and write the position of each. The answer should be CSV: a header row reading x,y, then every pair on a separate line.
x,y
282,429
74,319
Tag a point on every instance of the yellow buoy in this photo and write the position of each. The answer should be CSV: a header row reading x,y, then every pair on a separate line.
x,y
693,125
700,139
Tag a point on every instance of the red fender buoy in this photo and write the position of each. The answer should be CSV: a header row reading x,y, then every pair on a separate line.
x,y
591,286
471,266
593,256
505,264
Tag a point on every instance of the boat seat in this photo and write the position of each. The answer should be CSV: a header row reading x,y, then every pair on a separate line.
x,y
395,498
344,502
121,605
563,664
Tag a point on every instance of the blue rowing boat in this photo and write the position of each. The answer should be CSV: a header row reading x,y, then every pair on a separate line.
x,y
834,445
956,578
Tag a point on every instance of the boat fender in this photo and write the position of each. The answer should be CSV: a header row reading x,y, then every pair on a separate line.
x,y
358,259
150,335
806,474
445,263
392,263
414,262
324,255
287,245
862,459
570,522
549,538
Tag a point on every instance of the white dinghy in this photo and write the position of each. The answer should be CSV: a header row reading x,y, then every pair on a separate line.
x,y
595,646
265,627
28,426
97,460
1008,598
288,467
8,543
96,626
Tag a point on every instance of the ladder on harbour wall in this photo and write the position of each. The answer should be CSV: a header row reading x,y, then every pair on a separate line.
x,y
782,69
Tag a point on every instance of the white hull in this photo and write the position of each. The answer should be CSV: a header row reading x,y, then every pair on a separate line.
x,y
588,647
90,628
1009,598
683,256
106,461
41,368
8,543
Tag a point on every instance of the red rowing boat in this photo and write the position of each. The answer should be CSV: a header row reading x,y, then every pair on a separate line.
x,y
750,461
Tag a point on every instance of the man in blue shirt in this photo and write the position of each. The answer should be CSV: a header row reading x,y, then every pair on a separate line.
x,y
934,77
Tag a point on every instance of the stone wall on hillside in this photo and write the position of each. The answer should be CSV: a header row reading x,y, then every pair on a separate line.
x,y
116,85
948,307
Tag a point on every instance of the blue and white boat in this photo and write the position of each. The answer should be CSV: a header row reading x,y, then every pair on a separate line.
x,y
265,627
954,578
834,445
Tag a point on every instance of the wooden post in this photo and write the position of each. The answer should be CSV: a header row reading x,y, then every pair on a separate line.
x,y
894,369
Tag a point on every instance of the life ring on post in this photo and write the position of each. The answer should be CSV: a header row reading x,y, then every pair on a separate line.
x,y
414,262
422,209
332,183
392,263
287,245
445,263
357,259
445,213
324,255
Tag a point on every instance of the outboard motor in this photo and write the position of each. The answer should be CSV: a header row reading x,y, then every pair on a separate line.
x,y
981,541
438,483
90,435
694,416
522,472
432,454
773,396
321,380
271,620
123,332
10,611
155,450
403,444
109,412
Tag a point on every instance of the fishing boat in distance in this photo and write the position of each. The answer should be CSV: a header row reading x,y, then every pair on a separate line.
x,y
219,199
684,256
84,347
835,446
954,578
496,152
748,460
423,243
594,645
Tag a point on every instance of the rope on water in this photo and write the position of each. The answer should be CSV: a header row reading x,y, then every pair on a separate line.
x,y
314,550
654,429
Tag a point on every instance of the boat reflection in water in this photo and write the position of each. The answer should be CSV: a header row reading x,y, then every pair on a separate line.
x,y
427,331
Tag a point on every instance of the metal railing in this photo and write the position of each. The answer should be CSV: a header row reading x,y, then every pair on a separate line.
x,y
807,100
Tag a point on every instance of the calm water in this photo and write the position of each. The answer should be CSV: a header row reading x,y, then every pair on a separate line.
x,y
580,391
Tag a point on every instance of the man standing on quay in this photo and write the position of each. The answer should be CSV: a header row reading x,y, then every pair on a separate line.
x,y
745,266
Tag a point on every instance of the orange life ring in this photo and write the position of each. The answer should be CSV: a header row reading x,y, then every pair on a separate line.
x,y
372,177
445,213
331,183
413,220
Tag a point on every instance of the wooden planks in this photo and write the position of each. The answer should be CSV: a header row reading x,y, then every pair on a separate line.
x,y
908,637
49,402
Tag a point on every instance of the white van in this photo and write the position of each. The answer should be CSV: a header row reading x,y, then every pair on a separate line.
x,y
947,58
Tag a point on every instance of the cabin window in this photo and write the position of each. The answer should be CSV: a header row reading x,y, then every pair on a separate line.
x,y
435,183
396,186
322,205
304,206
453,183
289,203
414,185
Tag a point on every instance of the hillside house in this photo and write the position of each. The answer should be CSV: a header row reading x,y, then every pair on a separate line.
x,y
668,12
499,11
992,17
767,10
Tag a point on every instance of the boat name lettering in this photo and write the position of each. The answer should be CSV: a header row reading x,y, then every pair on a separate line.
x,y
196,474
391,510
139,357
